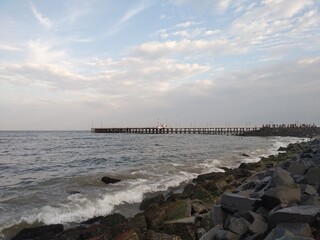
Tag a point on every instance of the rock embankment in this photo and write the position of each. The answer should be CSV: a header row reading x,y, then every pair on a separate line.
x,y
275,198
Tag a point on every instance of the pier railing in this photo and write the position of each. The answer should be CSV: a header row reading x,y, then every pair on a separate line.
x,y
168,130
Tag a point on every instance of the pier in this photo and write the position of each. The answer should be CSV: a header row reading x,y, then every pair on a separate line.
x,y
168,130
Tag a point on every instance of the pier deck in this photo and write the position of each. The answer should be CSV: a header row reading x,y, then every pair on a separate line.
x,y
168,130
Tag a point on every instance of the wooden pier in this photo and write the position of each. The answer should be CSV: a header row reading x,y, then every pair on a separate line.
x,y
168,130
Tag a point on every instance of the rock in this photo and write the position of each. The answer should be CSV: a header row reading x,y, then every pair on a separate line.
x,y
310,200
197,192
200,232
157,200
300,179
111,220
39,233
217,215
211,234
238,226
258,224
209,177
295,214
282,233
281,149
244,155
225,235
281,195
184,228
130,234
151,235
198,208
138,222
109,180
298,229
233,202
307,189
180,209
297,167
313,175
281,177
155,217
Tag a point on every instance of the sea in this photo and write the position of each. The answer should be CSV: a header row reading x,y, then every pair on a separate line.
x,y
49,177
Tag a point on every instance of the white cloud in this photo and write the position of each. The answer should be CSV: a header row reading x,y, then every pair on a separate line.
x,y
43,20
5,47
143,5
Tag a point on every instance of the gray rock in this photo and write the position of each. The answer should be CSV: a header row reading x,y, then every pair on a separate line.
x,y
211,234
217,215
307,189
300,179
284,234
295,214
281,177
258,225
310,200
225,235
234,202
238,226
157,200
298,229
313,175
298,167
200,232
281,195
184,228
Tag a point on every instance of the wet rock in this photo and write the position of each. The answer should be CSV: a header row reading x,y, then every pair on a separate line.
x,y
234,202
109,180
39,233
281,177
244,155
209,177
211,233
197,192
281,149
157,200
313,175
295,214
155,217
200,232
238,226
138,222
282,233
111,220
298,229
180,209
281,195
184,228
310,200
151,235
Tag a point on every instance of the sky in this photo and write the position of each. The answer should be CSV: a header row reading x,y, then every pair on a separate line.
x,y
74,64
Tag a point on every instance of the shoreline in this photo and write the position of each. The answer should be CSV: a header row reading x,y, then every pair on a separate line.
x,y
187,211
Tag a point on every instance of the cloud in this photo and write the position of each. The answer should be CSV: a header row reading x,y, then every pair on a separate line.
x,y
5,47
43,20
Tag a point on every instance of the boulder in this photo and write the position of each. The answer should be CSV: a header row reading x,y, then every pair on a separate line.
x,y
155,217
298,229
295,214
281,195
138,222
151,235
244,155
281,149
282,233
39,233
109,180
310,200
217,215
281,177
184,228
307,189
198,208
234,202
180,209
226,235
313,175
205,221
297,167
209,177
197,192
200,232
130,234
238,226
211,234
258,225
157,200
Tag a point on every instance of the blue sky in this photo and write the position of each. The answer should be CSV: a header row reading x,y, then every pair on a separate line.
x,y
68,64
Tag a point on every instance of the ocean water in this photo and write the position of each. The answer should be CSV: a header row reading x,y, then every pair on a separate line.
x,y
55,177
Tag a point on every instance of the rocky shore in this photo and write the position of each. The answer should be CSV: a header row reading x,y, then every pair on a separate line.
x,y
275,198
